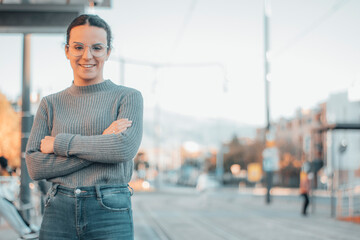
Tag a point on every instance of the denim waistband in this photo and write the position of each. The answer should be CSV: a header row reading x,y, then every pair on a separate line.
x,y
87,191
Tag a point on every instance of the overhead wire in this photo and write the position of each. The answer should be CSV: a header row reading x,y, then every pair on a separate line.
x,y
169,63
336,7
182,29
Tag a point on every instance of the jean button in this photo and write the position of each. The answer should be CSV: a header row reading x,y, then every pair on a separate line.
x,y
77,191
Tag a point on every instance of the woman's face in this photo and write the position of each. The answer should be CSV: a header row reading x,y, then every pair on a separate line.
x,y
87,68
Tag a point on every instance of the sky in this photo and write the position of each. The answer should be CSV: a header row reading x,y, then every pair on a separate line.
x,y
216,48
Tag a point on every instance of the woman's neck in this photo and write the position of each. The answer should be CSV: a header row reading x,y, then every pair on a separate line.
x,y
84,82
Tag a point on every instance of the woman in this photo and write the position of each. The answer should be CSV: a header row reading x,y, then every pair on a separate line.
x,y
83,140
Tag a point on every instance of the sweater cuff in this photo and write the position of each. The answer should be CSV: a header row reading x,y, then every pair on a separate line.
x,y
62,144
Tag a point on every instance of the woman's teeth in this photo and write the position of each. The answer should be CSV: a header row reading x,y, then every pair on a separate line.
x,y
87,65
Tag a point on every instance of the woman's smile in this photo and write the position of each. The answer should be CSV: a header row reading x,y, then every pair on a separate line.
x,y
87,66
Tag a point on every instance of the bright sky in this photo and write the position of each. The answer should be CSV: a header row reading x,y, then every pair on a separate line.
x,y
315,49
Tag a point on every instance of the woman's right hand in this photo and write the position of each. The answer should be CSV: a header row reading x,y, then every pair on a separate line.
x,y
118,126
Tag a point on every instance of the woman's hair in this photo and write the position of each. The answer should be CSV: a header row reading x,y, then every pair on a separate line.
x,y
92,20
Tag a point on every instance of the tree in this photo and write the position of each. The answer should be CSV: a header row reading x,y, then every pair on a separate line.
x,y
235,155
290,163
243,153
10,132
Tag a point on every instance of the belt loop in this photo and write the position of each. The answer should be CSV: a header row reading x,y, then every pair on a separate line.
x,y
54,189
98,192
131,190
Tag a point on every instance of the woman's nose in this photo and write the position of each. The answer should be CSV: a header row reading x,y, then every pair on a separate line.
x,y
87,53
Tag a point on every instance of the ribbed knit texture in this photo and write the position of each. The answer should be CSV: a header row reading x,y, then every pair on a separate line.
x,y
77,117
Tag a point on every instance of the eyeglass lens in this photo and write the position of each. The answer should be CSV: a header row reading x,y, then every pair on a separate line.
x,y
97,50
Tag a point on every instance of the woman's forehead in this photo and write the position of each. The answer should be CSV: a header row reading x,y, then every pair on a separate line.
x,y
88,34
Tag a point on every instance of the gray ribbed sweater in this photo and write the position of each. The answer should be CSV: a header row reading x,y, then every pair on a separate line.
x,y
76,117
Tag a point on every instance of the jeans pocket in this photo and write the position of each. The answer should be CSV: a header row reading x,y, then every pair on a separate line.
x,y
115,201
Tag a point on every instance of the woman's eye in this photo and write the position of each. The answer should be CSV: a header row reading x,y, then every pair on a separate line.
x,y
97,48
78,47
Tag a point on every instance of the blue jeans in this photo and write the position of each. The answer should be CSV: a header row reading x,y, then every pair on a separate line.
x,y
99,212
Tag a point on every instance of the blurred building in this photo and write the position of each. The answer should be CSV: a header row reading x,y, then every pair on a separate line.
x,y
324,141
297,142
343,153
347,160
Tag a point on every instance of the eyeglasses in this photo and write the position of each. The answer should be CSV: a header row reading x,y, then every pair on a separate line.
x,y
78,49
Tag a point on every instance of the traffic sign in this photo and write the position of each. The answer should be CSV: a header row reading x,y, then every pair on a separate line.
x,y
254,172
270,159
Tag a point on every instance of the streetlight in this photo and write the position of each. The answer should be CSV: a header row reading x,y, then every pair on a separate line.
x,y
267,78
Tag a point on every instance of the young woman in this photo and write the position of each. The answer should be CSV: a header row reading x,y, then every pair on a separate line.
x,y
83,140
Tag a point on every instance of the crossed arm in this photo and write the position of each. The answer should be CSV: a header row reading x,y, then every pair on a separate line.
x,y
118,126
50,157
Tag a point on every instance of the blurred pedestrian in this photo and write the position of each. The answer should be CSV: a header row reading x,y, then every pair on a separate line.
x,y
304,191
7,208
83,140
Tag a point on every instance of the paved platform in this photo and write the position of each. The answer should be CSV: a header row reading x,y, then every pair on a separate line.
x,y
178,213
233,215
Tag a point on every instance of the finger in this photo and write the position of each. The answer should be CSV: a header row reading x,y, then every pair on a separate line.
x,y
120,120
120,124
122,129
125,125
125,120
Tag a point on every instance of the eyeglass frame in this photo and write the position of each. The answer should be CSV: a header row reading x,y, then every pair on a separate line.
x,y
84,45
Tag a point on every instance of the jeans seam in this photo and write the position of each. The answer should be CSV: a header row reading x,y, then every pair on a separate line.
x,y
111,209
77,227
99,199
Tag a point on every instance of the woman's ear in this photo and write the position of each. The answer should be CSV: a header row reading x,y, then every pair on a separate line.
x,y
67,51
108,55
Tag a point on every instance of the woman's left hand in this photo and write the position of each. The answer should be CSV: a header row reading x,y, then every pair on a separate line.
x,y
47,145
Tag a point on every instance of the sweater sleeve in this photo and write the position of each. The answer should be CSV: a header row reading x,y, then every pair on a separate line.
x,y
46,166
111,148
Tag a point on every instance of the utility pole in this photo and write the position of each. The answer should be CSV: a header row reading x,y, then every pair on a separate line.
x,y
157,131
122,71
26,124
269,172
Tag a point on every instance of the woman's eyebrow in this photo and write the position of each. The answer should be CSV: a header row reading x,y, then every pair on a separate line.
x,y
91,44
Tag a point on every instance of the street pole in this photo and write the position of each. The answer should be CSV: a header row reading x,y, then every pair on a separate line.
x,y
266,60
332,158
122,72
220,164
26,124
269,174
157,133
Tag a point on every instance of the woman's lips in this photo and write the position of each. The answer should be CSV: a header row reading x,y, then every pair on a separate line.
x,y
87,65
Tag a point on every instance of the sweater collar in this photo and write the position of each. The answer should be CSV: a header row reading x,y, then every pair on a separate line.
x,y
103,86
